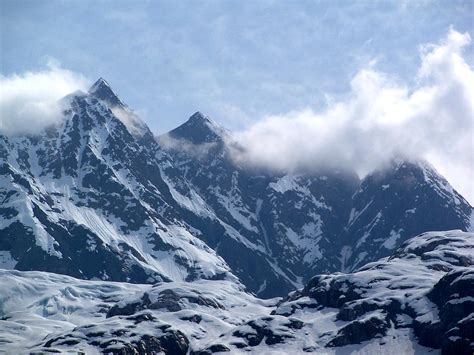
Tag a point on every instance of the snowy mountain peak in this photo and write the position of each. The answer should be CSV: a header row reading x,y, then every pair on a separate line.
x,y
400,163
100,82
405,198
200,117
199,129
102,90
427,174
197,115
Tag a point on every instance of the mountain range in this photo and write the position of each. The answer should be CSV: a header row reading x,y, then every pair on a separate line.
x,y
104,225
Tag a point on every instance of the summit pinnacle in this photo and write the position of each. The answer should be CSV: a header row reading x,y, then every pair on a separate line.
x,y
102,90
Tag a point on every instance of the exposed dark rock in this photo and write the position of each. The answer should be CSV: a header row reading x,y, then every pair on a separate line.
x,y
459,340
167,299
216,348
263,329
331,292
123,340
195,318
354,309
359,331
454,331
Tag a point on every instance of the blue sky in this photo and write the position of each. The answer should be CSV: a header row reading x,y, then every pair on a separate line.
x,y
236,61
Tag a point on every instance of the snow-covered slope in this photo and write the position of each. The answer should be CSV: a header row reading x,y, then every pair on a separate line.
x,y
416,301
426,286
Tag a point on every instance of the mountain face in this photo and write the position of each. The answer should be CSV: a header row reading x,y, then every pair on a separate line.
x,y
96,196
102,91
416,301
199,129
307,223
402,200
116,241
86,199
285,223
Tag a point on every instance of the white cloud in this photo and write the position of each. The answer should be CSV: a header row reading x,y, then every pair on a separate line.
x,y
30,101
379,119
198,151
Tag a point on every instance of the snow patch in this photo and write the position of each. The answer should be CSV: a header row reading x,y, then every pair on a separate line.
x,y
6,260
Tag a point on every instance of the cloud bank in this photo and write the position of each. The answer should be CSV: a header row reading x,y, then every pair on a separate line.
x,y
379,119
30,101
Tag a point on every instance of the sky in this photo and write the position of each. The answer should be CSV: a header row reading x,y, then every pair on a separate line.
x,y
356,81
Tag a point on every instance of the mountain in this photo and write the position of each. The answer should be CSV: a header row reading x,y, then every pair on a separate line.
x,y
199,129
280,229
97,196
102,90
114,240
415,301
403,199
86,198
309,222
